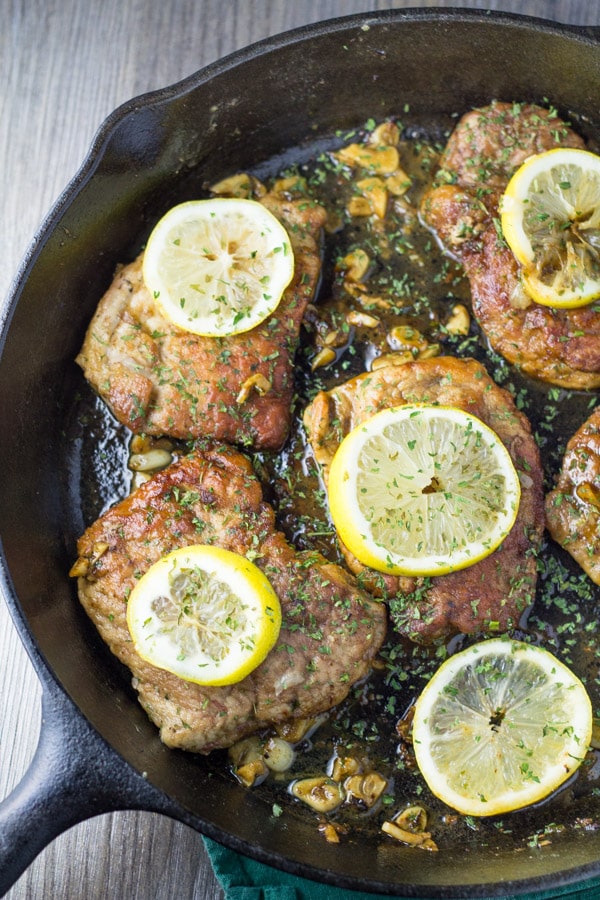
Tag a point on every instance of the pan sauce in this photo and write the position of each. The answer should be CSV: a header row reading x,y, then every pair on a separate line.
x,y
411,294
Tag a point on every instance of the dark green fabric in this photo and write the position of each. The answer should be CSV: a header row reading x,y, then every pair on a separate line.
x,y
246,879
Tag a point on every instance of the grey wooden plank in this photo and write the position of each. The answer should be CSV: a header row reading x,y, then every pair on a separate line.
x,y
64,66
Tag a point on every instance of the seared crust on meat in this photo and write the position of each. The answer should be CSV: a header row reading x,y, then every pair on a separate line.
x,y
492,594
573,507
331,629
158,379
559,346
490,143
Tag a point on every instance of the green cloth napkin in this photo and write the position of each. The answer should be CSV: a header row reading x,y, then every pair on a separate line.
x,y
245,879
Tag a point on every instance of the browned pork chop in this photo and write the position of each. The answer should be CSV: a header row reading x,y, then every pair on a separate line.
x,y
159,379
492,594
557,346
573,507
331,629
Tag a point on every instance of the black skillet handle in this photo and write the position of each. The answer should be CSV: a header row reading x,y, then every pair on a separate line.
x,y
73,776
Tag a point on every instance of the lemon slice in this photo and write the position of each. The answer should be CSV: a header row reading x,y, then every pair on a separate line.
x,y
204,614
422,490
218,267
500,726
550,215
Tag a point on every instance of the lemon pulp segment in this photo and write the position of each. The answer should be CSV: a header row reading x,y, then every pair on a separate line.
x,y
205,614
500,726
422,490
550,215
218,267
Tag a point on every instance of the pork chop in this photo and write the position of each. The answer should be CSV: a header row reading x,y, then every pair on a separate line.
x,y
559,346
331,629
490,595
573,506
161,380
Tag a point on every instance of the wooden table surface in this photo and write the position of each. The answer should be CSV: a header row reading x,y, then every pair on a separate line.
x,y
65,65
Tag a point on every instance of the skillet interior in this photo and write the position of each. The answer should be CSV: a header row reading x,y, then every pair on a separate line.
x,y
150,154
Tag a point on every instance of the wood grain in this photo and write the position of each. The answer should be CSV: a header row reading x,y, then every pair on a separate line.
x,y
64,66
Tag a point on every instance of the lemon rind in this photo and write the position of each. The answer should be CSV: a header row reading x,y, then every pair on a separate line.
x,y
511,204
245,579
168,305
351,527
511,799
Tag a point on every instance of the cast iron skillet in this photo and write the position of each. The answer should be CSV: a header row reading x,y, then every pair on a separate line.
x,y
97,751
